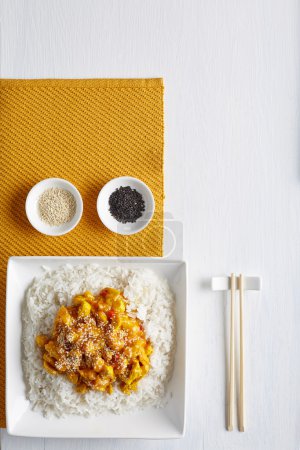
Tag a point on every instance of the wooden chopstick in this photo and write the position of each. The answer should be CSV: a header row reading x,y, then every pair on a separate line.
x,y
241,393
231,368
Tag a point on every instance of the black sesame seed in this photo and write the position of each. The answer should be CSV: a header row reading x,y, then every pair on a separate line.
x,y
126,204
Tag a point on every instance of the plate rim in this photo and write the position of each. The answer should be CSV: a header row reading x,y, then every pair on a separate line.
x,y
139,259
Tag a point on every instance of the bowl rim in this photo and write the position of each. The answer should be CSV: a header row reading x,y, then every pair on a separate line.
x,y
78,199
130,178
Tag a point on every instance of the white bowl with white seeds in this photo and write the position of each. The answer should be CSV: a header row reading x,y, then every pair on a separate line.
x,y
54,206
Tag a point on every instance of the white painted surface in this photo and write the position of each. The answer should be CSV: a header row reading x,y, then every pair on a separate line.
x,y
232,79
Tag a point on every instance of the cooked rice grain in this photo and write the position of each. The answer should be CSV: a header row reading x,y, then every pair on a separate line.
x,y
148,294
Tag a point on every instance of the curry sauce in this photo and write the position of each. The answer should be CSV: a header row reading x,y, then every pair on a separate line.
x,y
96,343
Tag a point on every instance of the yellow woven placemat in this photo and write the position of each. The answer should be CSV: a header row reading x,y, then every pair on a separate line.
x,y
86,131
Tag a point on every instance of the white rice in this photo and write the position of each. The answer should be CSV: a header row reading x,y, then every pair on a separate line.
x,y
148,294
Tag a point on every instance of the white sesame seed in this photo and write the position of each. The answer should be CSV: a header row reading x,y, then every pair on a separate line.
x,y
56,206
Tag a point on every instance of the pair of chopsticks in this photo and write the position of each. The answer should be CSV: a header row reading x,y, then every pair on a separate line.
x,y
242,283
241,405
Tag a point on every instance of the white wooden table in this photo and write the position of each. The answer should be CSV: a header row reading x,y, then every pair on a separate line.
x,y
232,107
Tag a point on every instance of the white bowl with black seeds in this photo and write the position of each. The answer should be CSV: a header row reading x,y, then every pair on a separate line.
x,y
125,205
54,206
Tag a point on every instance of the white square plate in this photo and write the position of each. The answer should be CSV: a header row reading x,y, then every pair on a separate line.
x,y
168,422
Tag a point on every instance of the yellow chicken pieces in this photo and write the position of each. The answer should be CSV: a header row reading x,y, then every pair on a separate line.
x,y
84,309
95,344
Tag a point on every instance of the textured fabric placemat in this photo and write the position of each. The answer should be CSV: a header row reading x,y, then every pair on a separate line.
x,y
86,131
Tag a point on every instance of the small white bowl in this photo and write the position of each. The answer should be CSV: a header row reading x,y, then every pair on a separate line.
x,y
31,206
103,206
